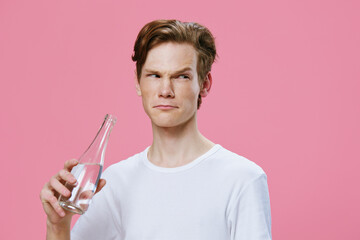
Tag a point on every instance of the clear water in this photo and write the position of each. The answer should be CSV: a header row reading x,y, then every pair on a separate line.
x,y
87,175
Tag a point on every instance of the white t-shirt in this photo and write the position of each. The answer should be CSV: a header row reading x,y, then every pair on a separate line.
x,y
218,196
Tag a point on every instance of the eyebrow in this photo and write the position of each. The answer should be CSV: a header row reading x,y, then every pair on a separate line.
x,y
183,70
176,72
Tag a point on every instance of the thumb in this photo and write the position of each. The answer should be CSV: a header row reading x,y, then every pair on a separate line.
x,y
100,185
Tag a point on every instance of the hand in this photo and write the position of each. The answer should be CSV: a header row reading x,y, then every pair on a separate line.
x,y
54,188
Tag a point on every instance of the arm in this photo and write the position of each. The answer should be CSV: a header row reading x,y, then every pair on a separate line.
x,y
250,217
58,231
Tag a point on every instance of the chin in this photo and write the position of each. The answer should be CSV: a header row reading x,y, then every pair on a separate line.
x,y
163,124
168,121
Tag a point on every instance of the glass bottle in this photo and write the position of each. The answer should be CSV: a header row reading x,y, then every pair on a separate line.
x,y
88,170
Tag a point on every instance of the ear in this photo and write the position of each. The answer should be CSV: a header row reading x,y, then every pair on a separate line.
x,y
206,86
137,85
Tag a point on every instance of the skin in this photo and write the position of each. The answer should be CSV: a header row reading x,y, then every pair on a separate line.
x,y
59,220
169,78
169,87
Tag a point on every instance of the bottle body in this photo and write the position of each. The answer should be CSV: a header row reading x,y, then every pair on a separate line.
x,y
87,176
88,171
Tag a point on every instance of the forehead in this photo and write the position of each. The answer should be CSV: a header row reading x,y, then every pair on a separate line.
x,y
171,57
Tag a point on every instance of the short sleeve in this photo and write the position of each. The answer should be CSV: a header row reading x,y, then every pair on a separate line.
x,y
98,222
250,217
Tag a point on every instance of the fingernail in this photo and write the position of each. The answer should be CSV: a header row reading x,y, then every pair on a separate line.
x,y
62,214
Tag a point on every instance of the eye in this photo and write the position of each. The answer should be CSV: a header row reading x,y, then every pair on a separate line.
x,y
153,75
183,76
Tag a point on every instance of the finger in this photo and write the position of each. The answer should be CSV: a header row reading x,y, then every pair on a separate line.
x,y
66,176
69,164
44,191
59,187
86,195
48,187
49,198
101,184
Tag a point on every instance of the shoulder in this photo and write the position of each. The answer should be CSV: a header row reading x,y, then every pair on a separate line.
x,y
125,166
237,166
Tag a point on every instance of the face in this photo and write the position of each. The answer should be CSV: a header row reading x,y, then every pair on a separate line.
x,y
169,84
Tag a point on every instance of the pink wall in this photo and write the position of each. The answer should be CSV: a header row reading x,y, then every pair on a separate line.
x,y
285,95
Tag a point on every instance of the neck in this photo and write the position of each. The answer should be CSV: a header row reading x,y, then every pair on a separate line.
x,y
177,146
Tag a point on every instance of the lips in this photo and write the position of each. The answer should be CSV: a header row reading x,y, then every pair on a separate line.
x,y
165,107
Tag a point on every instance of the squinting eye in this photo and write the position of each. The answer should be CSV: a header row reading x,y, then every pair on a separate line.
x,y
154,75
184,76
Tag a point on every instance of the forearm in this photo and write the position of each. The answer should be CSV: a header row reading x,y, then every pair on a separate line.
x,y
58,232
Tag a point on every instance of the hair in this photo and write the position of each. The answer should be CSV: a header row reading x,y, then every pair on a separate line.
x,y
161,31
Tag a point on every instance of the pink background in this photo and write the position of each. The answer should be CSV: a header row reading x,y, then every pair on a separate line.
x,y
285,95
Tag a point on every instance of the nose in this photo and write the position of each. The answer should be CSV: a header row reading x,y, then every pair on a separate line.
x,y
166,89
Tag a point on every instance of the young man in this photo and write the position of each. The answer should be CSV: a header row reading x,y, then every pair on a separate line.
x,y
183,186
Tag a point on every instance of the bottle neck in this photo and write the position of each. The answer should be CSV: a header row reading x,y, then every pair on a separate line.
x,y
96,151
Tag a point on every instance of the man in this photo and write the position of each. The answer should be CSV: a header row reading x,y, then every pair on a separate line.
x,y
183,186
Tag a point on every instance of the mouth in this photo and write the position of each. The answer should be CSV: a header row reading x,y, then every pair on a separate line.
x,y
165,107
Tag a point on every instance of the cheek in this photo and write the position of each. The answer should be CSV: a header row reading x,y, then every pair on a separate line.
x,y
191,96
146,92
146,103
194,92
